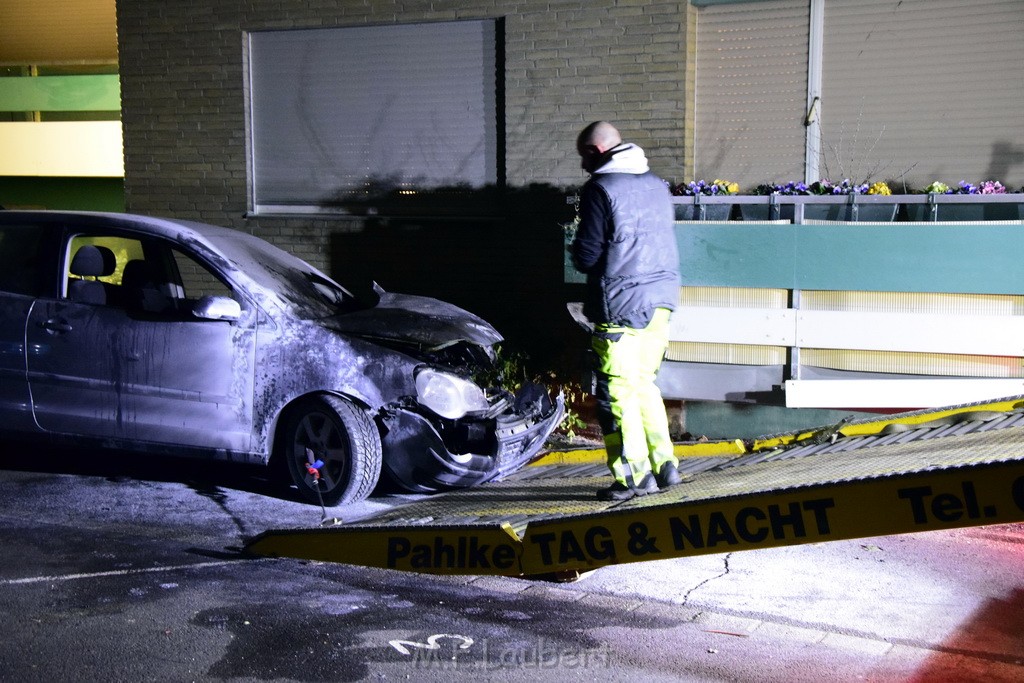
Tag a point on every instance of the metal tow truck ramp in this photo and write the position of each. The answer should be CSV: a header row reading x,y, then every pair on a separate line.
x,y
935,469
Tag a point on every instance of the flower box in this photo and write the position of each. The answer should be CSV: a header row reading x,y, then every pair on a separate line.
x,y
703,201
702,211
853,213
965,211
838,209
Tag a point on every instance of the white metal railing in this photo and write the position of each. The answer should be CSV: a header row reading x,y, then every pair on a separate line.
x,y
793,207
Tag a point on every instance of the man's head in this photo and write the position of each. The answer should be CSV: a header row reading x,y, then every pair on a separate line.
x,y
594,141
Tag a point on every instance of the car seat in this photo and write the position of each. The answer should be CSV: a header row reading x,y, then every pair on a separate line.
x,y
90,261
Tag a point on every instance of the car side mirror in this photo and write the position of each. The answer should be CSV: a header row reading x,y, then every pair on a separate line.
x,y
217,308
367,294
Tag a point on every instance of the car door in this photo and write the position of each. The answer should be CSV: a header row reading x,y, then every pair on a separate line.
x,y
141,366
28,270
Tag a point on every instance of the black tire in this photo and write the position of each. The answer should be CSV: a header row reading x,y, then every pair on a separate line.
x,y
340,434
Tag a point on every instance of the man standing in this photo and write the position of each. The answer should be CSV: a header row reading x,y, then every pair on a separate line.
x,y
626,245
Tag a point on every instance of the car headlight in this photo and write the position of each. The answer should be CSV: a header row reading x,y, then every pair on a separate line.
x,y
448,395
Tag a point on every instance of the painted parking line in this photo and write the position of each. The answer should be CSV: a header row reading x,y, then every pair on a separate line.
x,y
117,572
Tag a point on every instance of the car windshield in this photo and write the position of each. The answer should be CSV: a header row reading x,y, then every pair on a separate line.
x,y
311,293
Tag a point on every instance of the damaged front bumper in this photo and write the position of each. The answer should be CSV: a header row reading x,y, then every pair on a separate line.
x,y
426,454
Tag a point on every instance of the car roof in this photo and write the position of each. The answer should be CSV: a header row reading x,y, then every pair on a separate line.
x,y
169,228
240,255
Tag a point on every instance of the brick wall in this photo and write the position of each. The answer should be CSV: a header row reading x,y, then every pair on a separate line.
x,y
566,63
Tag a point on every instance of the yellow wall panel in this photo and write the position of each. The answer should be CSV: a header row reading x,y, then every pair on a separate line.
x,y
58,32
62,148
733,354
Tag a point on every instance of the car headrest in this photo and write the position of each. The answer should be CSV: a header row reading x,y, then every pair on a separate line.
x,y
137,273
93,261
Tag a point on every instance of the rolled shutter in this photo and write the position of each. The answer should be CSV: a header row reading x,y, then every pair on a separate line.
x,y
923,90
341,114
750,91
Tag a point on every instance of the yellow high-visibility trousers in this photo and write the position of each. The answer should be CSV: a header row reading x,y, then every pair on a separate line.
x,y
629,404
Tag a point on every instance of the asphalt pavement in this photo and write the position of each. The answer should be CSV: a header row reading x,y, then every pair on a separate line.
x,y
127,569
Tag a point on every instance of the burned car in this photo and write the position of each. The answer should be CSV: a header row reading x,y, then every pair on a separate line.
x,y
160,335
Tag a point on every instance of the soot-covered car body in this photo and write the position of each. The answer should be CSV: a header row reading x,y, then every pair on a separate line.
x,y
163,335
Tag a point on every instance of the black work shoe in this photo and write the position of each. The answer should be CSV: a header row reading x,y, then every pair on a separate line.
x,y
669,475
619,491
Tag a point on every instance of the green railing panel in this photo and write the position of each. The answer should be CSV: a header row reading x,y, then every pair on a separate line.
x,y
61,93
72,194
736,254
888,257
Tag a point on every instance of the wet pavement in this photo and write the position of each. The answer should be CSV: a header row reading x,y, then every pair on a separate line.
x,y
128,569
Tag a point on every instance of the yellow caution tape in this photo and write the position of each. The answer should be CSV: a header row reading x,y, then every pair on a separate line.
x,y
876,426
701,449
732,448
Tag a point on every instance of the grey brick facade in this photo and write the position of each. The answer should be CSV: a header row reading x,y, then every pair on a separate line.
x,y
567,62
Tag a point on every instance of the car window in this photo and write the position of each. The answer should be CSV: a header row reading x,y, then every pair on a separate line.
x,y
197,281
310,293
144,276
27,260
124,250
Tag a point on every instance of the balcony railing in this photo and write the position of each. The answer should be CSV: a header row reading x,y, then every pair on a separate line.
x,y
72,128
854,207
884,314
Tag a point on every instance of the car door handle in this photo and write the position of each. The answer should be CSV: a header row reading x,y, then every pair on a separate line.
x,y
56,325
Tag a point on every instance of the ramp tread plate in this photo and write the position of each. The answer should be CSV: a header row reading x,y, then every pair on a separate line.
x,y
848,444
998,423
813,471
697,465
890,438
1018,420
552,496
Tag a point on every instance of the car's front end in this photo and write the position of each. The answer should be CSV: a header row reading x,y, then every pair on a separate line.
x,y
460,426
422,369
454,433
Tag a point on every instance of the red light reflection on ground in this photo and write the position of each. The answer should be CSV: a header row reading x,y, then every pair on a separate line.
x,y
990,646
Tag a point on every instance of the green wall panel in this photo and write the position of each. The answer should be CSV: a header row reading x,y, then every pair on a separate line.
x,y
61,93
81,194
887,257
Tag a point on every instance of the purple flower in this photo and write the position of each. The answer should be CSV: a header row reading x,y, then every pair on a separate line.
x,y
789,188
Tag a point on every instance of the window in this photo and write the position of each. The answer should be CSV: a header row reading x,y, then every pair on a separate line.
x,y
340,115
27,261
923,91
142,277
196,280
911,91
751,89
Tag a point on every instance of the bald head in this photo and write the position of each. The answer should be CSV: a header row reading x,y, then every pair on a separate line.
x,y
600,135
594,141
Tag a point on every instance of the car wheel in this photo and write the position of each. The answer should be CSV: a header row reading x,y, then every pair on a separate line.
x,y
332,450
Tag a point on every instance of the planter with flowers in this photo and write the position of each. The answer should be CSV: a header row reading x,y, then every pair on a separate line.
x,y
703,201
896,247
823,200
986,201
847,201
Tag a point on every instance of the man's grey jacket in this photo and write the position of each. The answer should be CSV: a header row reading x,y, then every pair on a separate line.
x,y
626,242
